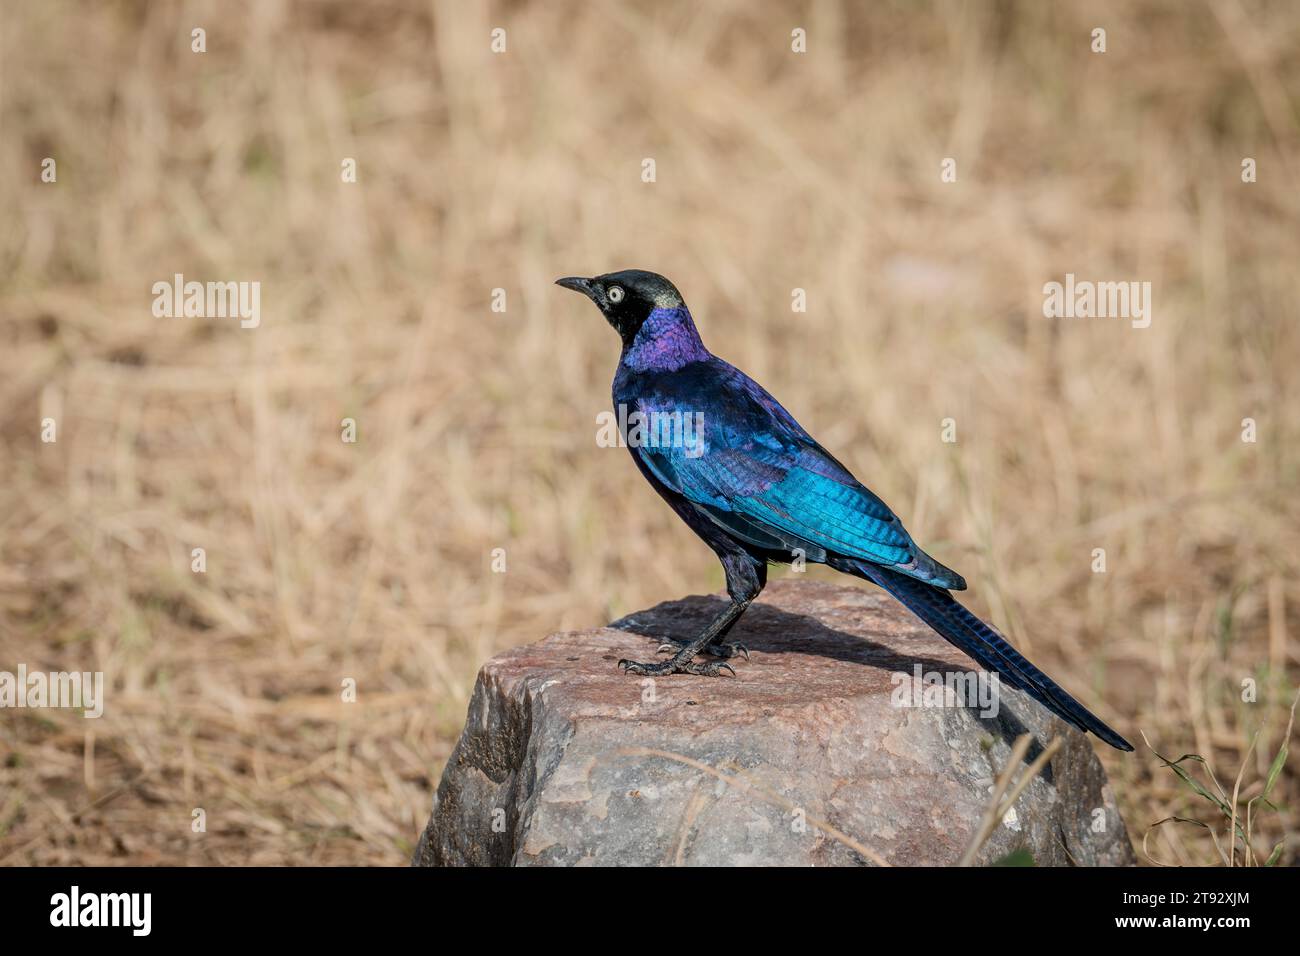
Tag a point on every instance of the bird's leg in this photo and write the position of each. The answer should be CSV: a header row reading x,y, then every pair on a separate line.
x,y
682,662
746,576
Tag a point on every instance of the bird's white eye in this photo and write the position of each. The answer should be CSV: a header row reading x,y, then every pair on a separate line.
x,y
615,294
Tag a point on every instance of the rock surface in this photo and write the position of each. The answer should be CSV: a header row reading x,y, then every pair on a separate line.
x,y
805,757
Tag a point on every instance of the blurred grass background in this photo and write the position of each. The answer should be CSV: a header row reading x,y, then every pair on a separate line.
x,y
476,429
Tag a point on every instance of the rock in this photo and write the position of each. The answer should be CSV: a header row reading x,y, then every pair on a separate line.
x,y
805,757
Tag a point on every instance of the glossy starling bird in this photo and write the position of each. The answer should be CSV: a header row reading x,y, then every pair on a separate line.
x,y
758,489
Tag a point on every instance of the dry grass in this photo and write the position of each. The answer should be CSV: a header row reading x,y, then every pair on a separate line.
x,y
371,561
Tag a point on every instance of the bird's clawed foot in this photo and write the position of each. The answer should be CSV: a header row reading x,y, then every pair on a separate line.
x,y
728,650
674,666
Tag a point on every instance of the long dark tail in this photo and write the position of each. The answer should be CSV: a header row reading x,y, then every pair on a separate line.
x,y
960,627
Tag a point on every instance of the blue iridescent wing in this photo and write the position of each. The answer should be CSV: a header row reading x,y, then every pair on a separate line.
x,y
754,471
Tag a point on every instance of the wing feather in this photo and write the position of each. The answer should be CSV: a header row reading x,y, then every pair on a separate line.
x,y
779,487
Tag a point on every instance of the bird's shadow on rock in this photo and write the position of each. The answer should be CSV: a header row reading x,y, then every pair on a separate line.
x,y
770,630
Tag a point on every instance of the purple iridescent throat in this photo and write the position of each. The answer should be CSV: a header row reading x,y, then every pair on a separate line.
x,y
667,340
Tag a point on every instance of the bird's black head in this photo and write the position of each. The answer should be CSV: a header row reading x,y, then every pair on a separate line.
x,y
626,298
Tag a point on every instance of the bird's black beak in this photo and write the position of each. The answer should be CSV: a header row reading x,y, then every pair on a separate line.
x,y
577,285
